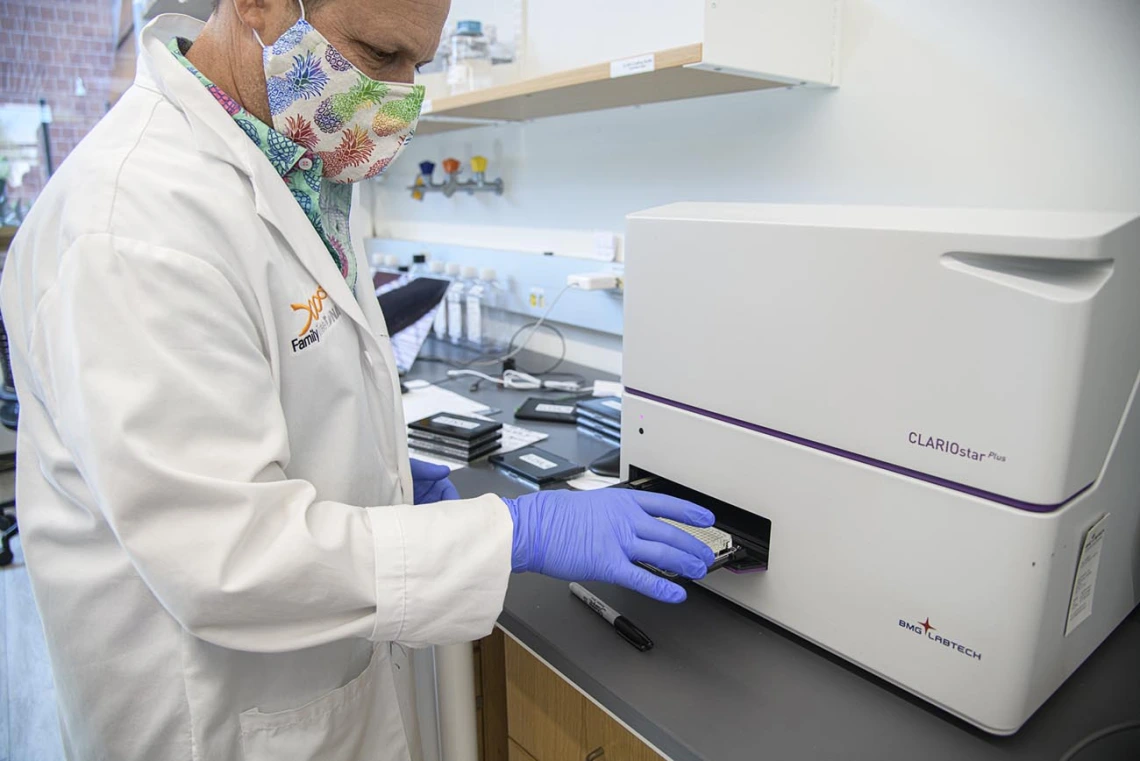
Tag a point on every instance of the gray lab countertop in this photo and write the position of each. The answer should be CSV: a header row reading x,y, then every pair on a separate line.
x,y
722,684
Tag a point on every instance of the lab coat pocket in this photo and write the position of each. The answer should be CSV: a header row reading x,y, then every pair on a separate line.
x,y
360,720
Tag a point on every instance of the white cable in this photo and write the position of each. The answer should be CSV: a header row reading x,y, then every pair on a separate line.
x,y
474,373
536,326
518,381
533,329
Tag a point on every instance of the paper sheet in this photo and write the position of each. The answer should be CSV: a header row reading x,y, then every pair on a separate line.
x,y
589,481
1084,585
423,400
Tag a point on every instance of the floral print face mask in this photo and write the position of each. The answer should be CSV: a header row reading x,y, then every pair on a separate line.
x,y
356,125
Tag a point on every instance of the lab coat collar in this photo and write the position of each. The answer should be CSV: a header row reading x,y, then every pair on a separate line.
x,y
217,135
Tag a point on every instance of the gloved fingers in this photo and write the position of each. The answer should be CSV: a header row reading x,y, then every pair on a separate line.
x,y
427,471
640,580
664,506
437,491
668,559
656,531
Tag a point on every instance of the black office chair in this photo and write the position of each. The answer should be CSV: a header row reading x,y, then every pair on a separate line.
x,y
9,417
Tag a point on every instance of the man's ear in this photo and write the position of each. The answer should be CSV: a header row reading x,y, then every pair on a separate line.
x,y
268,18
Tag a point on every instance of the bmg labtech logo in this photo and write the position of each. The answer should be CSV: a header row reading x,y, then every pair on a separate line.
x,y
927,630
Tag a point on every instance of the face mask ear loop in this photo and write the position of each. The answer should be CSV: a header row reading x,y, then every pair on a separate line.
x,y
257,36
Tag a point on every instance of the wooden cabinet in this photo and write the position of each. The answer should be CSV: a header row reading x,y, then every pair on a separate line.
x,y
612,740
516,753
549,720
491,698
545,715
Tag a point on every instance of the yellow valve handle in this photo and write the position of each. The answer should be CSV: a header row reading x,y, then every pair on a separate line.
x,y
478,163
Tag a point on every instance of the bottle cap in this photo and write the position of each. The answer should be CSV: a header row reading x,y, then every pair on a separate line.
x,y
437,268
470,273
419,258
454,269
487,274
469,28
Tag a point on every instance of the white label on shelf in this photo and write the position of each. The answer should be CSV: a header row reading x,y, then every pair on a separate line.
x,y
539,462
559,409
1081,601
642,64
466,425
426,107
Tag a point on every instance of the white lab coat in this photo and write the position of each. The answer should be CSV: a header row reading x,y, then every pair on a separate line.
x,y
213,502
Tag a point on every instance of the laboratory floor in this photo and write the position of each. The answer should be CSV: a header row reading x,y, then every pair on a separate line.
x,y
29,730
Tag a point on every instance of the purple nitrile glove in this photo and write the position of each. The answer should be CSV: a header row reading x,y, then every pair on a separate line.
x,y
430,483
598,535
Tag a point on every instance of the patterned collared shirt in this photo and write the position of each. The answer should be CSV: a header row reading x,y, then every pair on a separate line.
x,y
325,203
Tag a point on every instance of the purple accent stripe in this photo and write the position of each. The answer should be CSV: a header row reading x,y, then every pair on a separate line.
x,y
973,492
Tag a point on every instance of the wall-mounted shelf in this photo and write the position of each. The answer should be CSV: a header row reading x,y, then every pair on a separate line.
x,y
735,46
677,74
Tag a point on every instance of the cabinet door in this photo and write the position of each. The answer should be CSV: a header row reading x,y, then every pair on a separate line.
x,y
491,684
515,753
545,715
607,740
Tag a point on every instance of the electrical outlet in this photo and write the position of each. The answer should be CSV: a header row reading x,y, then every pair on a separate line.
x,y
537,298
617,269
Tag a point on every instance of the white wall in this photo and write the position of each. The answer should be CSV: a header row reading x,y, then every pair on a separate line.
x,y
998,103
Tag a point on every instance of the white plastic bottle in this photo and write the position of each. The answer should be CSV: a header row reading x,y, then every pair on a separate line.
x,y
439,325
455,293
419,265
473,307
473,301
493,318
384,262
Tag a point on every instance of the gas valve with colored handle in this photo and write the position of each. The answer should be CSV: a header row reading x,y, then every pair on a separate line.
x,y
451,166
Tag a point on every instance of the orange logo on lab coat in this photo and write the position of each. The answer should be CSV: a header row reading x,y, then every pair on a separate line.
x,y
312,308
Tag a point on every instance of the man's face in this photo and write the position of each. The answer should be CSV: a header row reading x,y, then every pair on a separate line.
x,y
385,39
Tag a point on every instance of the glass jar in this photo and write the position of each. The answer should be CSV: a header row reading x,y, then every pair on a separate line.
x,y
469,62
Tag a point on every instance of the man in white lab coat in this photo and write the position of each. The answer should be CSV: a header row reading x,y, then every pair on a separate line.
x,y
215,493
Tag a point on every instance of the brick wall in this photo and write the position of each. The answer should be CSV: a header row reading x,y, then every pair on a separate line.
x,y
44,46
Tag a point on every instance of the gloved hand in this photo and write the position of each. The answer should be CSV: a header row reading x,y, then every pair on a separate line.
x,y
430,483
597,536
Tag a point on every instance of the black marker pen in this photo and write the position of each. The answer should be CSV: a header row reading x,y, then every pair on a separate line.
x,y
628,631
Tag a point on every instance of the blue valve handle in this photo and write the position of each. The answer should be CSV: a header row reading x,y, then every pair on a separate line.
x,y
427,168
